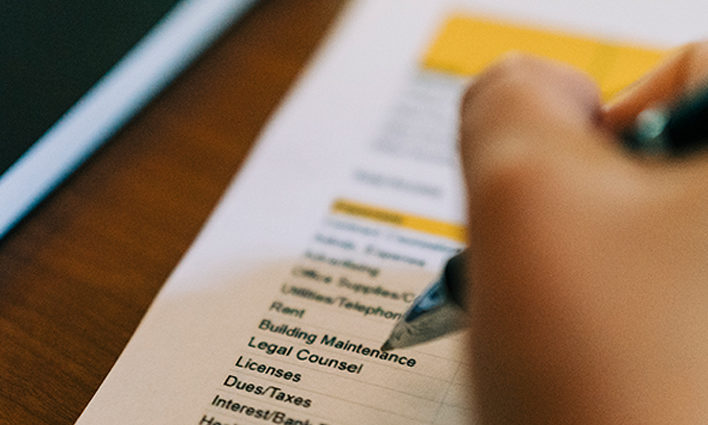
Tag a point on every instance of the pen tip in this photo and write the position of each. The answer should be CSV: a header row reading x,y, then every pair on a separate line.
x,y
387,346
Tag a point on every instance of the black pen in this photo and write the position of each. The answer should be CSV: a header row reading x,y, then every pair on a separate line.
x,y
675,130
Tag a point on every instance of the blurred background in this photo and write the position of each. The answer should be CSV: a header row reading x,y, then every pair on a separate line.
x,y
78,272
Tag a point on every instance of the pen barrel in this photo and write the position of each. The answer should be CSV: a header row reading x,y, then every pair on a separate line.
x,y
687,128
676,130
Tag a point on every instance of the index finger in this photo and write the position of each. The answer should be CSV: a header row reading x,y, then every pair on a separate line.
x,y
681,73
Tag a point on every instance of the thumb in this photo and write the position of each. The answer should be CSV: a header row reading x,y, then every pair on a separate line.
x,y
527,108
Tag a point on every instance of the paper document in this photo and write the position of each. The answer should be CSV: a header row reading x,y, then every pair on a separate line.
x,y
349,205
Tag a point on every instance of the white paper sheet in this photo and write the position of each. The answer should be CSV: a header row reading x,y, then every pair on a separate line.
x,y
289,271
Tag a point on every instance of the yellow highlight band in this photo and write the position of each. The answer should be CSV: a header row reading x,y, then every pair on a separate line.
x,y
448,230
466,45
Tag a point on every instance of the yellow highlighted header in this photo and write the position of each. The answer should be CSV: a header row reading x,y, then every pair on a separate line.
x,y
451,231
466,45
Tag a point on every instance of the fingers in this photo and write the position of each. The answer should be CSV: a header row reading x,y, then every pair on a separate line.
x,y
525,109
520,120
564,233
523,97
683,72
529,130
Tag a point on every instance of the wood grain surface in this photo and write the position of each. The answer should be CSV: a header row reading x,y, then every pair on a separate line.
x,y
77,275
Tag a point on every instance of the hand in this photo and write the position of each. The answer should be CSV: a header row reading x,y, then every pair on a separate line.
x,y
590,265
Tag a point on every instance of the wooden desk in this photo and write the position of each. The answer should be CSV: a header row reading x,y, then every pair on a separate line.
x,y
79,273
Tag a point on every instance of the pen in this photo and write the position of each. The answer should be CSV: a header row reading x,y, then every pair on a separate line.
x,y
676,130
438,310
